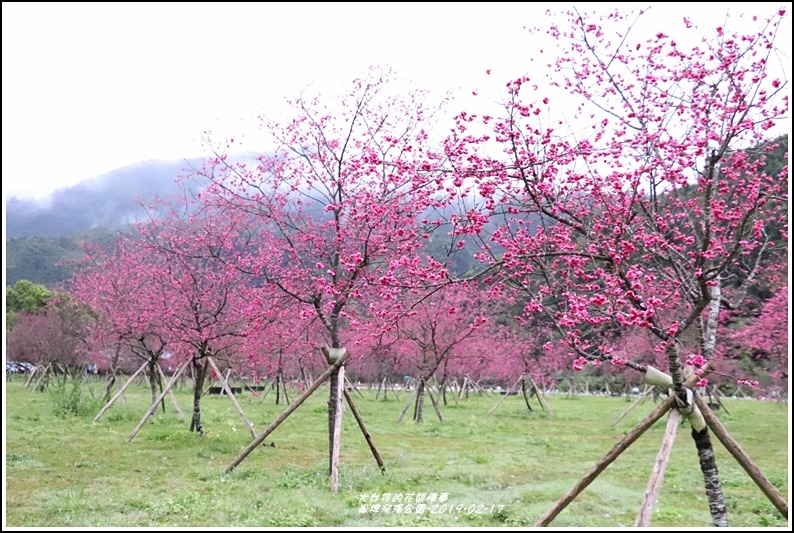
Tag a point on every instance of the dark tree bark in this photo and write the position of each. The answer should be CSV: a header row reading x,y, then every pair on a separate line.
x,y
711,478
112,375
420,400
109,385
199,374
524,392
443,388
152,371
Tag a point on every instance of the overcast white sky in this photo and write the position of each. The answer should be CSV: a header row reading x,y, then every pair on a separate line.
x,y
88,88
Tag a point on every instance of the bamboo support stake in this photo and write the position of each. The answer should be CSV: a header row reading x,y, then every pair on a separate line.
x,y
30,377
229,393
243,381
717,394
632,406
42,375
179,412
283,416
479,388
120,392
153,408
659,467
352,386
614,453
407,405
284,389
507,393
267,390
463,387
610,456
541,395
367,436
453,391
435,405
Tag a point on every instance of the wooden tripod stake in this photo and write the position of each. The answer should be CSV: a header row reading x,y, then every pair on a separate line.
x,y
654,377
338,363
225,385
120,392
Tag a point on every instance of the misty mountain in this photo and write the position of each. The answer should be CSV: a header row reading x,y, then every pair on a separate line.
x,y
109,201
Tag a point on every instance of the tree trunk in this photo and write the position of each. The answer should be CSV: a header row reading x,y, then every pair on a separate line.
x,y
332,405
152,371
443,389
744,460
337,430
109,386
711,478
112,375
524,392
708,464
420,400
200,372
708,330
332,355
672,351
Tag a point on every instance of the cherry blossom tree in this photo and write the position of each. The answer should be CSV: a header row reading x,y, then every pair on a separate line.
x,y
766,338
440,329
54,334
200,302
163,288
526,346
636,207
116,283
339,198
281,345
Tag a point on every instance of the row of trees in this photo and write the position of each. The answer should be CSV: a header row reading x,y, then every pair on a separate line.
x,y
636,240
636,222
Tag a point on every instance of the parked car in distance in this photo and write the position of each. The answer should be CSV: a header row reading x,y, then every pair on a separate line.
x,y
18,368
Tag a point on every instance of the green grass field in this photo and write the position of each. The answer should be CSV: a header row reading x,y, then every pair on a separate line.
x,y
63,470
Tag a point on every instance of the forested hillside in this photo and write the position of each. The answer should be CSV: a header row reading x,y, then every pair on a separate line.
x,y
37,258
38,238
41,233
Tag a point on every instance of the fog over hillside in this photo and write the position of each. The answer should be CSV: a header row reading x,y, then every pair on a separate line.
x,y
108,201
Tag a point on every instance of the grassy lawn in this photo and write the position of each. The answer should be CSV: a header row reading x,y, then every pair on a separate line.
x,y
63,470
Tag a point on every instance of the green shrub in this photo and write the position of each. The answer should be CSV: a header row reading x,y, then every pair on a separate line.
x,y
69,398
